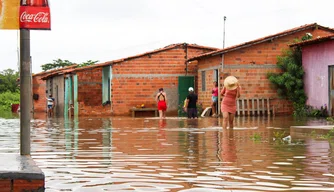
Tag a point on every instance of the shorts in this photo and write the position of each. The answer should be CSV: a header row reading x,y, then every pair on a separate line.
x,y
49,106
214,99
192,112
162,105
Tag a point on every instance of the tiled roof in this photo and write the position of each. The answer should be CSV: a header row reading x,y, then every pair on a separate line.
x,y
313,41
142,54
45,73
260,40
73,69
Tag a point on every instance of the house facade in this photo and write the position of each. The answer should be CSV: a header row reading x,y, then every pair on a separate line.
x,y
41,90
250,62
318,64
113,88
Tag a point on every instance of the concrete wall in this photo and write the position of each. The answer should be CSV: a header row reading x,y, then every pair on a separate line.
x,y
316,59
251,65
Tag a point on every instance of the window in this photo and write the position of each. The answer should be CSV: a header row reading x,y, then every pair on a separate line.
x,y
203,81
106,84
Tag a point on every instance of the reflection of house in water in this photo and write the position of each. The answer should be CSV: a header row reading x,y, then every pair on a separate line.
x,y
318,151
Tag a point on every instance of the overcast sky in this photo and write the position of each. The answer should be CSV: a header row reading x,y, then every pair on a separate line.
x,y
105,30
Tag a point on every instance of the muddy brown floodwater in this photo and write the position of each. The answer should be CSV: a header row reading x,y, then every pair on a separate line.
x,y
176,154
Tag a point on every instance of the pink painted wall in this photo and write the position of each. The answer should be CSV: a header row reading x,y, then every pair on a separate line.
x,y
316,59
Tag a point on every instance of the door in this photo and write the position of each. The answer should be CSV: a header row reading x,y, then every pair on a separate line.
x,y
331,90
184,82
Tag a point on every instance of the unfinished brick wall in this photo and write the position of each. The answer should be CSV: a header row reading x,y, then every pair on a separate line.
x,y
251,65
137,81
90,93
134,81
39,88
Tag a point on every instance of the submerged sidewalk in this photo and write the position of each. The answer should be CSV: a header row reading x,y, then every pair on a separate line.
x,y
20,173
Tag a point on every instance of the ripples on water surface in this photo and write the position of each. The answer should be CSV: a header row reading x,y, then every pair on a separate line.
x,y
148,154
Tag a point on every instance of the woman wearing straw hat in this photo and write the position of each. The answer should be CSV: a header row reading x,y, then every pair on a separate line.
x,y
230,92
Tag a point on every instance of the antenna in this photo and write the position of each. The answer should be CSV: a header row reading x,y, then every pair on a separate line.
x,y
224,33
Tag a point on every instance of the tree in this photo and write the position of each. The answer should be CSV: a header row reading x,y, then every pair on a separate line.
x,y
87,63
56,64
64,63
8,81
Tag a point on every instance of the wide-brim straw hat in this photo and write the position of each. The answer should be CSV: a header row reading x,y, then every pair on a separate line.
x,y
231,83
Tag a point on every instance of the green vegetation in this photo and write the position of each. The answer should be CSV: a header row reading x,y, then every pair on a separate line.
x,y
279,135
256,137
9,89
7,99
182,113
289,83
8,81
328,136
56,64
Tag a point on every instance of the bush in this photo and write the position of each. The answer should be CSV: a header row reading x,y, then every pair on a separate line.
x,y
289,83
7,99
182,113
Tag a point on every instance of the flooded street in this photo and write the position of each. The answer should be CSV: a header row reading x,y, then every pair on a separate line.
x,y
175,154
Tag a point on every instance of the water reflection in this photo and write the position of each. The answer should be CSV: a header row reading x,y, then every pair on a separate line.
x,y
173,154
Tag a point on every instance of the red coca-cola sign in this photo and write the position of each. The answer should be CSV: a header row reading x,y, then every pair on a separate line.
x,y
35,14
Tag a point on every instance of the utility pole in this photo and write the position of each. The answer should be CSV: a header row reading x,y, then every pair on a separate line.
x,y
224,33
25,91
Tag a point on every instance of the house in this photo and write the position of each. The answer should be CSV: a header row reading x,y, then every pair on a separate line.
x,y
318,64
250,62
41,92
114,87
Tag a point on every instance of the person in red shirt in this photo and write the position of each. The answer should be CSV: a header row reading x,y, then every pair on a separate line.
x,y
161,99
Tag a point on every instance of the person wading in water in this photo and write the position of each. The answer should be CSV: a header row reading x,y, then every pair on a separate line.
x,y
161,99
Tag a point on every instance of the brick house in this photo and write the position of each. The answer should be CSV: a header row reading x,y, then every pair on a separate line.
x,y
39,88
318,64
114,87
250,62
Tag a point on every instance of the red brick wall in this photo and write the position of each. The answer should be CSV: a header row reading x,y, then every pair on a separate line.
x,y
137,81
20,185
90,93
251,65
39,87
134,82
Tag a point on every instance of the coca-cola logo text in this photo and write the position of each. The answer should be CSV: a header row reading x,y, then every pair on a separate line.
x,y
40,17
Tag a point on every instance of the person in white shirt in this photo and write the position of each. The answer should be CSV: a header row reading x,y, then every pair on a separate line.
x,y
51,104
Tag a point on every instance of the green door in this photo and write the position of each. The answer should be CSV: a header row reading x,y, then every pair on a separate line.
x,y
184,83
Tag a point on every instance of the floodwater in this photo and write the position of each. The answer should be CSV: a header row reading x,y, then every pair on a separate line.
x,y
176,154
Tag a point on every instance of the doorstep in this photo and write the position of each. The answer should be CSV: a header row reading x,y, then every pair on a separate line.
x,y
20,173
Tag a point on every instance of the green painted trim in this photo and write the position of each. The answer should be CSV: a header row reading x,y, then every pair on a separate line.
x,y
66,97
75,95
